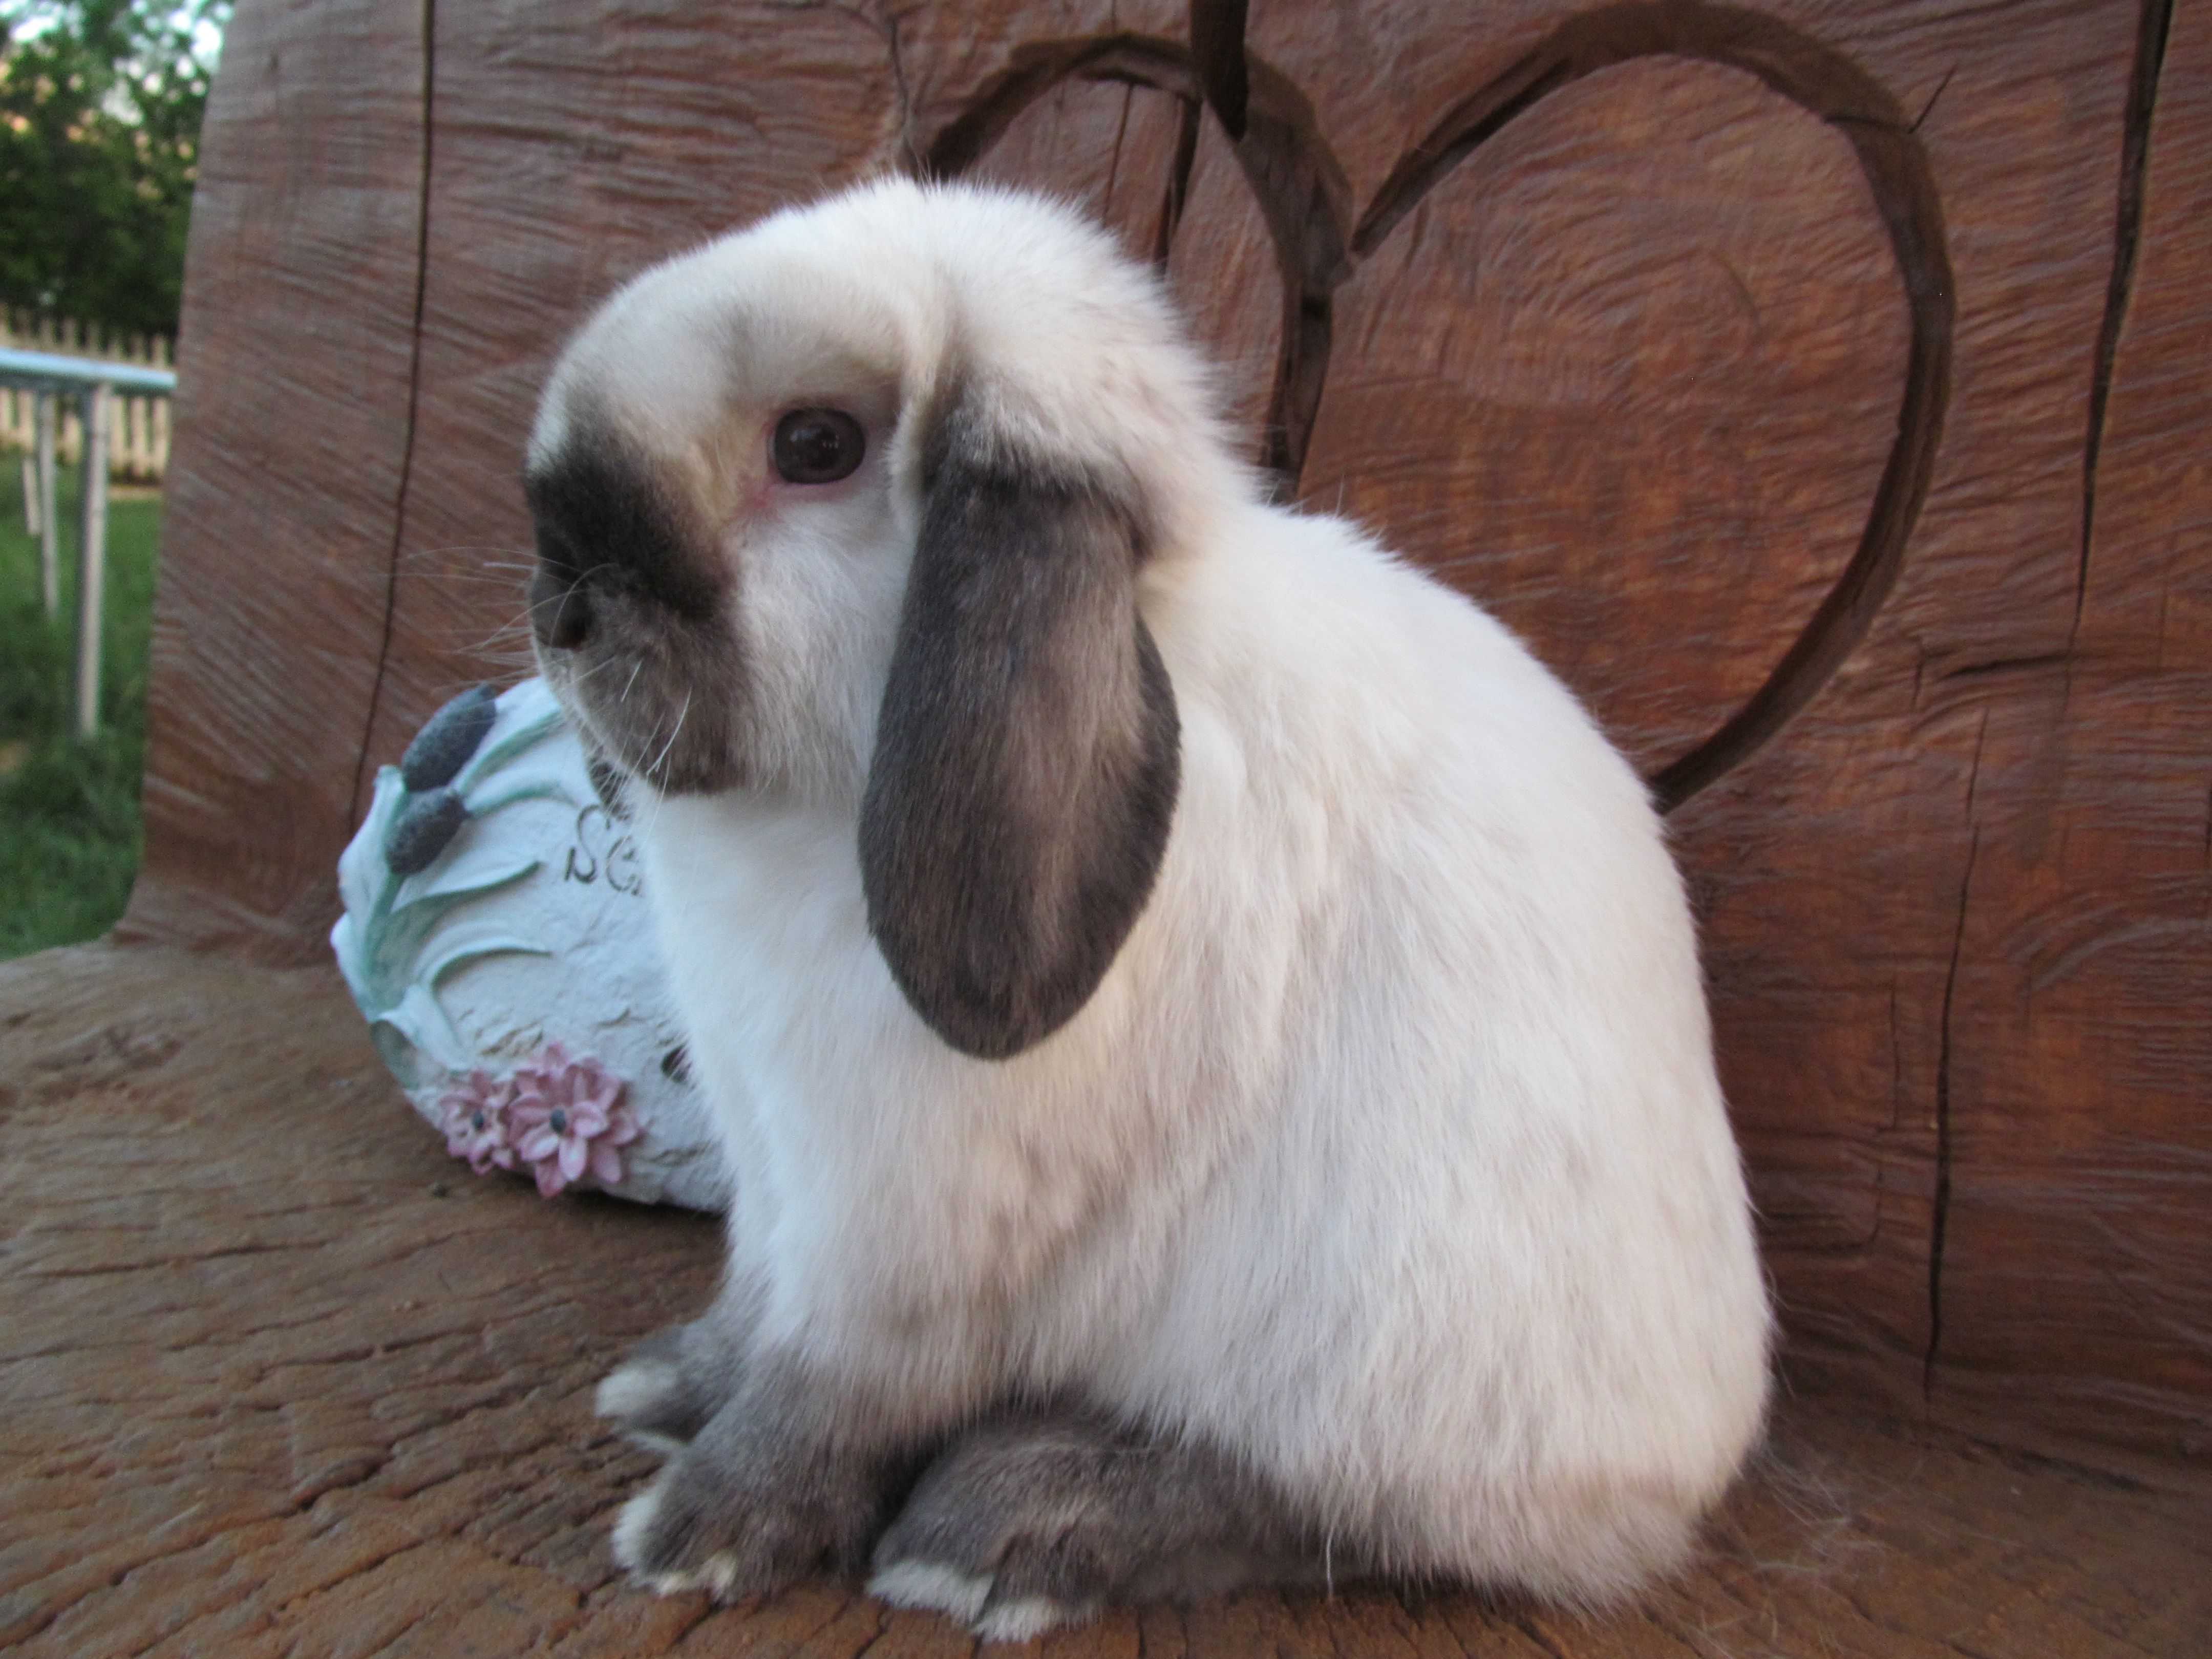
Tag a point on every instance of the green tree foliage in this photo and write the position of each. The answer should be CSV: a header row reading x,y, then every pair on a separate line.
x,y
100,119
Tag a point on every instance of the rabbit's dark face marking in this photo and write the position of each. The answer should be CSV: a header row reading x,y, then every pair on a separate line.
x,y
603,522
631,614
1027,756
719,553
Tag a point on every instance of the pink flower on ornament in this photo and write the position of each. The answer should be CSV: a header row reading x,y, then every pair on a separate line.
x,y
476,1117
568,1117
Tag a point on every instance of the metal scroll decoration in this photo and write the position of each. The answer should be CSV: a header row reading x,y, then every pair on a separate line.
x,y
1305,200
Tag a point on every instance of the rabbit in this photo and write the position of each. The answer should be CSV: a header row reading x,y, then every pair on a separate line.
x,y
1207,1033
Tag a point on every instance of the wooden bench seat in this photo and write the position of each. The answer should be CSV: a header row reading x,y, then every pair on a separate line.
x,y
282,1378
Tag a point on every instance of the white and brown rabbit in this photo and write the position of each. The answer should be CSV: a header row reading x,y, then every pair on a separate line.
x,y
1208,1034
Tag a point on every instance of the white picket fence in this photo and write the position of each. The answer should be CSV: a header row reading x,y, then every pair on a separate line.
x,y
137,428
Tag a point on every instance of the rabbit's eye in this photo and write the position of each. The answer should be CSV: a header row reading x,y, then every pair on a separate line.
x,y
818,445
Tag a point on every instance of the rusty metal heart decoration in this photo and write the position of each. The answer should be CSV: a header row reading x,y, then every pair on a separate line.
x,y
1303,196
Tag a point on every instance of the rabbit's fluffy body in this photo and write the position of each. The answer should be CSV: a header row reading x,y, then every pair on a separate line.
x,y
1387,1155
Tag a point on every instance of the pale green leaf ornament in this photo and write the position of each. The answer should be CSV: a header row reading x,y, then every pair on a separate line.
x,y
495,933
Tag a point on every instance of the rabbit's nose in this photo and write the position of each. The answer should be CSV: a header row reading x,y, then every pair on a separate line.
x,y
560,608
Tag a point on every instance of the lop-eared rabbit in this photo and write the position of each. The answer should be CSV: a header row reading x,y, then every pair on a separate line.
x,y
1207,1033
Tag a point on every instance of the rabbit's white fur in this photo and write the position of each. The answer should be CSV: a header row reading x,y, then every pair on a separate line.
x,y
1388,1154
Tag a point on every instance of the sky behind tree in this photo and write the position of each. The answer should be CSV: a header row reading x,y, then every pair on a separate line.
x,y
100,105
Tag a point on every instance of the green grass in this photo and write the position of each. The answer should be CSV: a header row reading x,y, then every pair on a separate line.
x,y
69,809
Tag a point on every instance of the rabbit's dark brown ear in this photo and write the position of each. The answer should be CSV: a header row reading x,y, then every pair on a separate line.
x,y
1028,753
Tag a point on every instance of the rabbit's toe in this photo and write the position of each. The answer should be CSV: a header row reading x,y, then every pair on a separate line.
x,y
1021,1619
969,1600
932,1585
668,1388
640,1397
643,1548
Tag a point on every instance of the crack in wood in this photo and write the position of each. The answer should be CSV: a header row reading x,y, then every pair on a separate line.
x,y
895,48
1120,137
1940,1211
361,772
1529,1627
1174,200
882,21
2027,664
1929,108
2154,24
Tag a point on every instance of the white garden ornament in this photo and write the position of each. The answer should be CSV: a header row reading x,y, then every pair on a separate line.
x,y
497,940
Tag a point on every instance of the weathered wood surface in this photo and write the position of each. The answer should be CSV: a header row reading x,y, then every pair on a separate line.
x,y
1745,359
294,417
2077,1281
282,1378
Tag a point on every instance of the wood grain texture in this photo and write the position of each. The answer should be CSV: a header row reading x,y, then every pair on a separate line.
x,y
2079,1249
294,366
1651,452
1833,866
1641,323
1222,270
1110,148
323,1392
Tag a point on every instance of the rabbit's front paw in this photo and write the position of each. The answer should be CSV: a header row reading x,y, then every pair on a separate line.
x,y
743,1509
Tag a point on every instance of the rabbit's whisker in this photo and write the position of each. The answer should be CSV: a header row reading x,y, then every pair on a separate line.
x,y
677,731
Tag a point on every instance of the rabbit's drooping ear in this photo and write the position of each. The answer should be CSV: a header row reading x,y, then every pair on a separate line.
x,y
1027,756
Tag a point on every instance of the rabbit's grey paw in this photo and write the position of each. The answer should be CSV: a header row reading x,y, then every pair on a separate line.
x,y
755,1499
1032,1522
666,1390
674,1381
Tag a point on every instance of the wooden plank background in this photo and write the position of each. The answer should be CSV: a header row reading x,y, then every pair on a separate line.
x,y
1822,388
